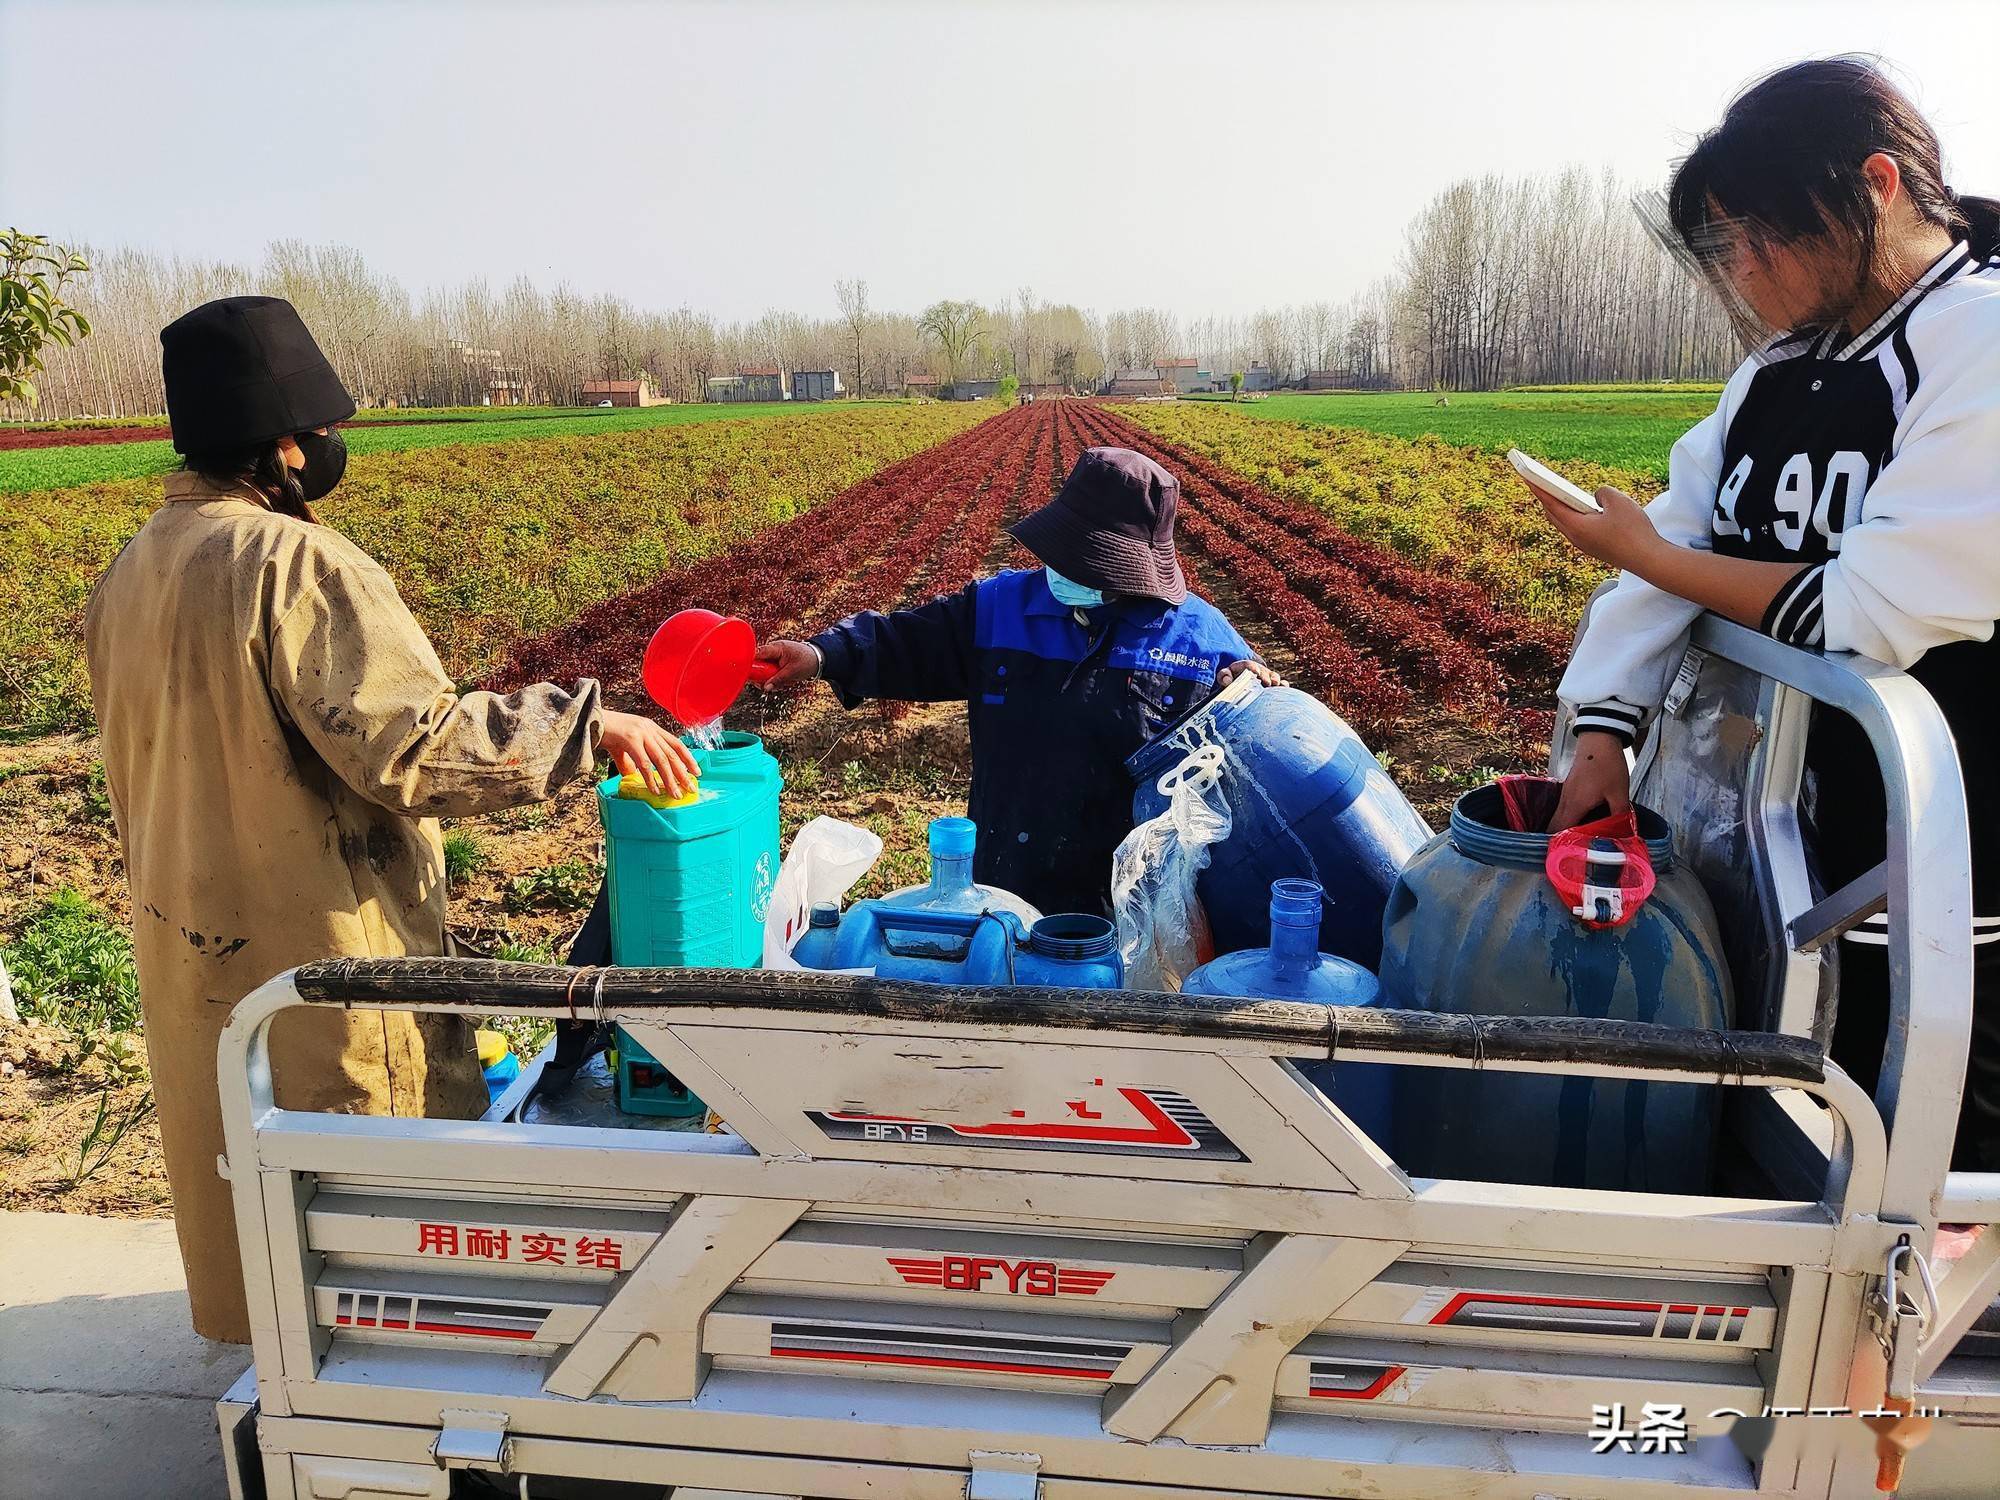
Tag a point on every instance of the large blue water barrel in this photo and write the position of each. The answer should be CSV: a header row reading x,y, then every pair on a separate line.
x,y
1307,801
1474,927
1293,968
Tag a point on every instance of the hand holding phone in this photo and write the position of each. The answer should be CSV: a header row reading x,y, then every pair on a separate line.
x,y
1541,477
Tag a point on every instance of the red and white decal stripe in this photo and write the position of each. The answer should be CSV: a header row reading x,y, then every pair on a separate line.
x,y
401,1313
1160,1130
1719,1323
942,1349
1337,1380
1075,1282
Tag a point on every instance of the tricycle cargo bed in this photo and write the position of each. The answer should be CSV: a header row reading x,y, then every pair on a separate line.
x,y
1093,1244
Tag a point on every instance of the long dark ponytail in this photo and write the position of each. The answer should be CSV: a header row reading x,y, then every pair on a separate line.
x,y
265,467
1785,166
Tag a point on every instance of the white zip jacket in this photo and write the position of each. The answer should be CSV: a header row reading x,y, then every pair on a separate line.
x,y
1875,461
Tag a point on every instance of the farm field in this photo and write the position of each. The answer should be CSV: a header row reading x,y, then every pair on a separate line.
x,y
63,466
791,523
1411,654
487,540
1457,509
365,414
1629,429
76,431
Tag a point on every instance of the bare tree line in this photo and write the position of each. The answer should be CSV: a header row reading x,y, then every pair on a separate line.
x,y
1542,280
1550,280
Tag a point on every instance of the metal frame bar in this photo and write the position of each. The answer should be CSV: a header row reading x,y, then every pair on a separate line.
x,y
1928,871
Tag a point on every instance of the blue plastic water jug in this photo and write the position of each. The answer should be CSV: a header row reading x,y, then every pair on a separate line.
x,y
814,949
1306,801
1475,927
972,948
1293,968
953,842
690,881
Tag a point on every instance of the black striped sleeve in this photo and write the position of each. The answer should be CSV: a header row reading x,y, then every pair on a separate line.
x,y
1609,717
1795,616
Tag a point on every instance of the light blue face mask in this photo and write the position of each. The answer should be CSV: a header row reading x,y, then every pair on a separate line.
x,y
1075,595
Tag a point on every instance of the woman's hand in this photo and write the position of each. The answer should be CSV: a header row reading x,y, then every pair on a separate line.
x,y
639,747
1598,777
1255,668
795,661
1622,537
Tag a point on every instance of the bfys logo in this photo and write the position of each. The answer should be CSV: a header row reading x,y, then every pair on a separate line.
x,y
992,1273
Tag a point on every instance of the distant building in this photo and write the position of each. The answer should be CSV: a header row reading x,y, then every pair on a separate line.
x,y
761,384
1259,377
816,385
1186,374
1140,380
971,390
920,385
1044,390
1328,380
638,392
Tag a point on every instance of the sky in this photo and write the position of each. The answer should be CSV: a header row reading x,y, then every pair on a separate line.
x,y
1208,157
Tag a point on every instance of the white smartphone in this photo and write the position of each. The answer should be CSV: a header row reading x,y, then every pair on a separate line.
x,y
1549,482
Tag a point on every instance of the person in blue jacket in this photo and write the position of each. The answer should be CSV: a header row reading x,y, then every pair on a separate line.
x,y
1065,670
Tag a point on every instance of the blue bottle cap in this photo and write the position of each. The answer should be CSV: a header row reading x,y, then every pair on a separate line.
x,y
953,838
825,914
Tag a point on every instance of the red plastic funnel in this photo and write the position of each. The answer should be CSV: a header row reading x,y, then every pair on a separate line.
x,y
697,663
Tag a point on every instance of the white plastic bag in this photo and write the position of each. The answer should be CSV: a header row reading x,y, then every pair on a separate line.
x,y
826,858
1162,932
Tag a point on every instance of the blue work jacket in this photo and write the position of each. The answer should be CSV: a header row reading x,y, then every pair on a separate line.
x,y
1056,698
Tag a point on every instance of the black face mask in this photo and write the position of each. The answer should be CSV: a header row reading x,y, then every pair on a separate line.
x,y
326,461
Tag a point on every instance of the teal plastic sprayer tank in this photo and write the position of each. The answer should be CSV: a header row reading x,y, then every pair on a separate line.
x,y
1293,968
1477,925
690,881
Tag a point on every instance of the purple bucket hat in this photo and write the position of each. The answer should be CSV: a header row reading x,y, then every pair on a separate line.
x,y
1111,526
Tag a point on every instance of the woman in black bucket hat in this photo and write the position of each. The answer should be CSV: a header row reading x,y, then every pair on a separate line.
x,y
1065,670
279,741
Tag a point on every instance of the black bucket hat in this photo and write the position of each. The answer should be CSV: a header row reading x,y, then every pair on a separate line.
x,y
1111,526
243,370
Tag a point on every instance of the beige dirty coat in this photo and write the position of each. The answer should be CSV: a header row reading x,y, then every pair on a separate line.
x,y
279,740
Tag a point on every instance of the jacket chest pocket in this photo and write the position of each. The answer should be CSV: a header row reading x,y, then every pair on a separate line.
x,y
998,684
1154,698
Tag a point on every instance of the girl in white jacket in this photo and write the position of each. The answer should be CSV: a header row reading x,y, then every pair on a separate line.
x,y
1844,495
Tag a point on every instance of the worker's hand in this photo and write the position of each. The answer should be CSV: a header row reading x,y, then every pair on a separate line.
x,y
639,747
1255,668
1597,778
1622,536
795,661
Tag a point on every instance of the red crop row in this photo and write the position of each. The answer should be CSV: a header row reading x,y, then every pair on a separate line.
x,y
1524,647
1378,637
1419,647
779,576
1329,664
1443,637
953,534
